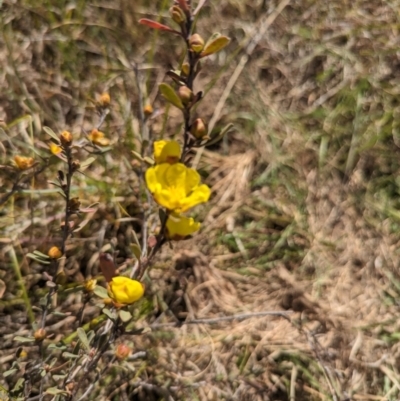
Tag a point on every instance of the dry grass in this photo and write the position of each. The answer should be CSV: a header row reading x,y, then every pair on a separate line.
x,y
304,215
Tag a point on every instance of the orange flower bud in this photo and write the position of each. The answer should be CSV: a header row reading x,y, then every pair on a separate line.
x,y
148,110
66,139
76,164
199,128
185,94
54,253
54,148
74,204
104,100
40,334
122,351
196,43
23,163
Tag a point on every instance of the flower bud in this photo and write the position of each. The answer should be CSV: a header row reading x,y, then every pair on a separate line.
x,y
22,354
104,100
23,163
54,252
75,165
74,204
185,70
196,43
90,285
177,14
66,139
148,109
199,128
40,334
122,351
185,94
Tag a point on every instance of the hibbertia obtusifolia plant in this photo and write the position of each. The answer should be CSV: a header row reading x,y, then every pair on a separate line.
x,y
68,369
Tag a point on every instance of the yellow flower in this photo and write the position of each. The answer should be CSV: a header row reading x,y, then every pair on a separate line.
x,y
176,187
125,290
23,163
55,149
98,138
179,227
166,152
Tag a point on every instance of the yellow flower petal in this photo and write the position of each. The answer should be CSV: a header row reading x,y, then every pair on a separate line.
x,y
176,187
125,290
166,152
55,149
179,227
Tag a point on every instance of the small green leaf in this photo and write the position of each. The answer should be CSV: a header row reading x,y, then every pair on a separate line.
x,y
112,316
82,336
50,132
101,292
58,346
55,391
86,163
137,156
215,46
59,377
24,339
69,355
136,251
211,39
37,258
217,137
9,372
125,315
170,95
41,255
148,160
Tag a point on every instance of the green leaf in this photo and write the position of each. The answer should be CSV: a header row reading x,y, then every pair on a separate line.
x,y
109,314
69,355
41,255
37,258
50,132
215,46
125,315
136,251
137,156
59,377
217,137
101,292
55,391
58,346
170,95
9,372
86,163
82,336
148,160
24,339
211,39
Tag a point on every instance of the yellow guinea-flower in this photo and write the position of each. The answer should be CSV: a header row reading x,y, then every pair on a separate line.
x,y
176,187
179,227
124,290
